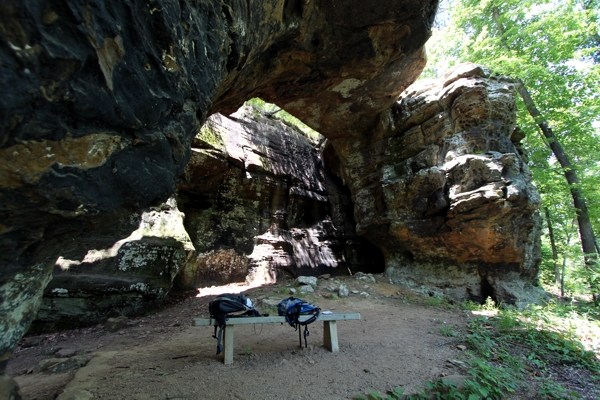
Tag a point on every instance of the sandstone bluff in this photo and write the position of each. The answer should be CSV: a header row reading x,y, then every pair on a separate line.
x,y
109,179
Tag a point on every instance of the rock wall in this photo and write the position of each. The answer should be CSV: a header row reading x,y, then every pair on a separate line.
x,y
439,185
121,264
101,102
257,203
257,200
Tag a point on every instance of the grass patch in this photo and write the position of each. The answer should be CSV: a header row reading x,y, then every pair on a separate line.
x,y
448,330
521,353
441,302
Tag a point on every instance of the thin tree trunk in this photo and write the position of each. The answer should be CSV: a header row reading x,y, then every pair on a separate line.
x,y
564,262
562,277
557,279
586,231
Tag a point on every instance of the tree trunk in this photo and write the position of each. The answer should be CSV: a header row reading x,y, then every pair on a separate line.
x,y
562,277
557,279
586,231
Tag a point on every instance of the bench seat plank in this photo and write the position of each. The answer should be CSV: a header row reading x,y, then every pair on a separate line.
x,y
275,319
330,337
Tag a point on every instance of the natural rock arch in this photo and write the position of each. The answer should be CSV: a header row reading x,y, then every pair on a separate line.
x,y
101,103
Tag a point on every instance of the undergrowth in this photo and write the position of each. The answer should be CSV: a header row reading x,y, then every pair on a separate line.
x,y
277,113
520,354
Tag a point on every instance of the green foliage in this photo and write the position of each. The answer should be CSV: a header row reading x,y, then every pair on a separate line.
x,y
489,305
469,305
504,348
448,330
210,136
548,389
490,380
261,106
554,48
434,301
567,336
507,322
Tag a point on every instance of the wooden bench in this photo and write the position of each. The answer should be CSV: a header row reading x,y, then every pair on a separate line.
x,y
330,338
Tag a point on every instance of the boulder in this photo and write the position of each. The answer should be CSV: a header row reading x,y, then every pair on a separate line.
x,y
101,103
258,204
58,365
66,353
361,276
32,341
124,264
306,280
50,350
441,188
343,291
115,324
306,289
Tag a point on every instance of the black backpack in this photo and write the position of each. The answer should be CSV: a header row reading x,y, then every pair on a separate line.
x,y
221,308
291,308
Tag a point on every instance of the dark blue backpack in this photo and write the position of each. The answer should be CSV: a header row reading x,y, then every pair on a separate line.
x,y
291,308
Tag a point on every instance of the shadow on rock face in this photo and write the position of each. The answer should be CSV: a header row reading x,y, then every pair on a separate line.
x,y
101,106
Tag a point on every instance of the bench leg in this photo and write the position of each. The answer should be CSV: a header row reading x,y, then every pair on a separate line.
x,y
330,338
228,345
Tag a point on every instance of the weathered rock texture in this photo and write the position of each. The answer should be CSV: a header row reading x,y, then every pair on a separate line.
x,y
440,187
101,100
121,265
257,201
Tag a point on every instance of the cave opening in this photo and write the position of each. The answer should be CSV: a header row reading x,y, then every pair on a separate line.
x,y
273,223
360,254
486,291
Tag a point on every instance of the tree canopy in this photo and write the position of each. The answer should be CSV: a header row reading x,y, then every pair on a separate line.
x,y
553,47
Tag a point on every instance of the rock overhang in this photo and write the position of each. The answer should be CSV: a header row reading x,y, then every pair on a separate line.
x,y
135,81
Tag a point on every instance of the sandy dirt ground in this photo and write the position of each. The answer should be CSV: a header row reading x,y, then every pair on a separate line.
x,y
396,343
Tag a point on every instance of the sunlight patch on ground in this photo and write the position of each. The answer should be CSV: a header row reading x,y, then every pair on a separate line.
x,y
259,276
485,313
229,288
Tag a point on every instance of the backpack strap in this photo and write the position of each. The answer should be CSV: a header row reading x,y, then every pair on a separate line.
x,y
222,324
219,335
312,319
306,333
221,320
291,308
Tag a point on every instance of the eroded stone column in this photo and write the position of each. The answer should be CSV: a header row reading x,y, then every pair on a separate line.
x,y
439,185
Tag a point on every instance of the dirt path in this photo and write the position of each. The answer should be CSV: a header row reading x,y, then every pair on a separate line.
x,y
397,342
